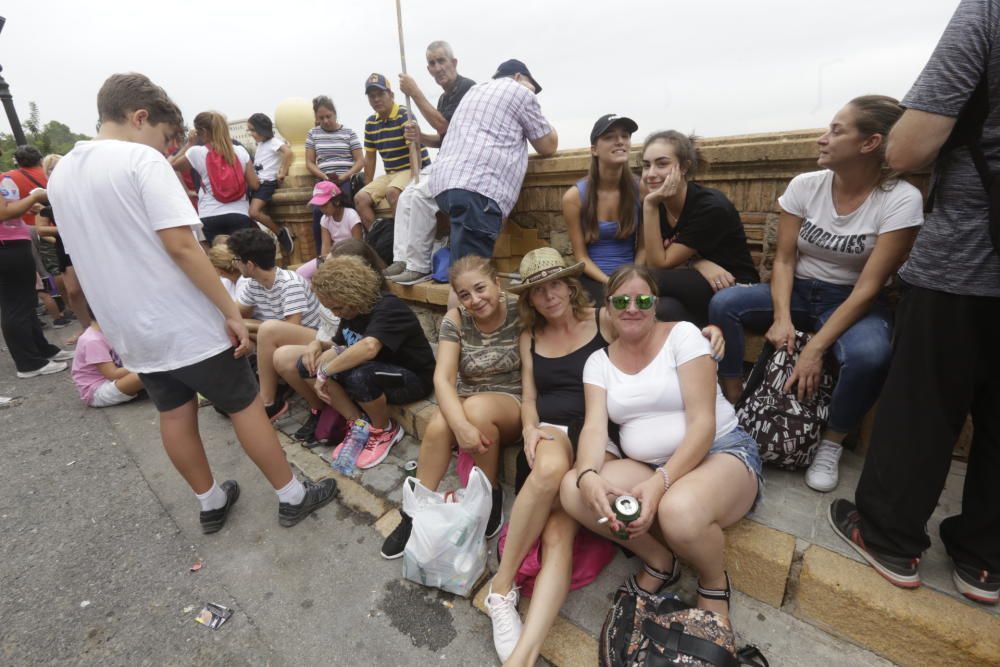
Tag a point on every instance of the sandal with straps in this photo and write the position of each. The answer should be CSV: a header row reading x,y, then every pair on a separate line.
x,y
666,578
716,594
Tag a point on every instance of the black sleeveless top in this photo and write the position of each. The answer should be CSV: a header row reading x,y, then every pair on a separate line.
x,y
559,380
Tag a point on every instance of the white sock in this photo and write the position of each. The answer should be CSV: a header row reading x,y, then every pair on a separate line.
x,y
212,499
292,493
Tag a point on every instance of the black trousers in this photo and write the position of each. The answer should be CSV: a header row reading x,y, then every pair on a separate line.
x,y
945,364
684,296
21,329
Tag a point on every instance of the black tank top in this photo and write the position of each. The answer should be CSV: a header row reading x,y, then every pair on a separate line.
x,y
559,381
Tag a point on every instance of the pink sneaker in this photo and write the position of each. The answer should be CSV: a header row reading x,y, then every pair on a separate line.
x,y
380,441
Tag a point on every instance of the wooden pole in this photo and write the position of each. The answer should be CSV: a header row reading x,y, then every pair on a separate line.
x,y
415,146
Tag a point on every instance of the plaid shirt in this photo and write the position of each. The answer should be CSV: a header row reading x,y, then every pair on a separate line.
x,y
485,149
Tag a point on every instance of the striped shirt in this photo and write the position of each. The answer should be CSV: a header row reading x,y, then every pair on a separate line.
x,y
386,137
333,149
290,294
485,149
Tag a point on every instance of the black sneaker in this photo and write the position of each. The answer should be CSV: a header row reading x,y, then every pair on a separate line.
x,y
976,584
276,410
395,544
317,495
496,514
286,241
846,522
212,521
306,431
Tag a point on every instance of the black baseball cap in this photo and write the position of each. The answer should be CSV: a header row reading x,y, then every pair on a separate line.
x,y
607,121
509,67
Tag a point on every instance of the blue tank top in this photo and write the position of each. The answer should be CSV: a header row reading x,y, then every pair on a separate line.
x,y
608,252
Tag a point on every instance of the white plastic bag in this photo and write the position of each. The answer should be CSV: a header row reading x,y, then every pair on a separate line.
x,y
447,546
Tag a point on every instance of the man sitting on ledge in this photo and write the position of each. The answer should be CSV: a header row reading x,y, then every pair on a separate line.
x,y
384,136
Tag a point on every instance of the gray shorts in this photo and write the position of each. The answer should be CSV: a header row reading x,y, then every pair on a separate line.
x,y
229,383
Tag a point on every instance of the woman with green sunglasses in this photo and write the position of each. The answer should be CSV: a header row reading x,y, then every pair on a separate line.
x,y
684,456
561,330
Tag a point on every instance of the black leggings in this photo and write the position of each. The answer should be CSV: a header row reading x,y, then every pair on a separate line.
x,y
684,296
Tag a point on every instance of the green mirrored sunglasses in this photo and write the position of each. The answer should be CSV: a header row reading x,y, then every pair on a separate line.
x,y
642,301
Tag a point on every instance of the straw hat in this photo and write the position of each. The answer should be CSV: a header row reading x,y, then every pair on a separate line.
x,y
542,265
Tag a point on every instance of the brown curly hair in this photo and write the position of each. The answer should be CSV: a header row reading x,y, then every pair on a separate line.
x,y
349,280
579,300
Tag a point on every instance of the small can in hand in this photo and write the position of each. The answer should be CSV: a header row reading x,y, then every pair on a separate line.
x,y
627,509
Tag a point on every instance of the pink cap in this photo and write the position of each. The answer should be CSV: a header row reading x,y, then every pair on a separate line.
x,y
324,192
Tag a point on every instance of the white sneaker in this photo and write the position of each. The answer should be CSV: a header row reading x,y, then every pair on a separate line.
x,y
824,473
506,621
62,355
47,369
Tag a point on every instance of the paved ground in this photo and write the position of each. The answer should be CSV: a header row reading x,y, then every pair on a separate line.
x,y
100,533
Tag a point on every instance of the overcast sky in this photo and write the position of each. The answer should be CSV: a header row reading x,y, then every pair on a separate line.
x,y
714,66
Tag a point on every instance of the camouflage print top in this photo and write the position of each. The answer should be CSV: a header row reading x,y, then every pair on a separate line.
x,y
488,362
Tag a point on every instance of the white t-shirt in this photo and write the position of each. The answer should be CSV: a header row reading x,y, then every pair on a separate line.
x,y
267,159
340,230
208,205
328,325
834,248
112,198
288,295
649,406
235,288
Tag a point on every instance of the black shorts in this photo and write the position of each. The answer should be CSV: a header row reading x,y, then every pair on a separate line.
x,y
227,223
228,382
265,191
64,260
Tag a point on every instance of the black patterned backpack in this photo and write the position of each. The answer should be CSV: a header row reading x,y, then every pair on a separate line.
x,y
786,429
645,630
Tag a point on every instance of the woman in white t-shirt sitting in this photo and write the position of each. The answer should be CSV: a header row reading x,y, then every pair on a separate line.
x,y
842,233
271,162
211,135
686,459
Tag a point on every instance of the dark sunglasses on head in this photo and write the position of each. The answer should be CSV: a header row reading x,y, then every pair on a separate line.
x,y
642,301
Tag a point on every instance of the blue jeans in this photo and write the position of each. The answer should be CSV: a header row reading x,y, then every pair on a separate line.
x,y
863,351
475,222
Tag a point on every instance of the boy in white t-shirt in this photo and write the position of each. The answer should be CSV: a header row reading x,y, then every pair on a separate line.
x,y
173,323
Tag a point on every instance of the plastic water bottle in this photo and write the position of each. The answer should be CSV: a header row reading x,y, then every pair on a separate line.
x,y
346,460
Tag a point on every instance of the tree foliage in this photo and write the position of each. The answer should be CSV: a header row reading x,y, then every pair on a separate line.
x,y
52,137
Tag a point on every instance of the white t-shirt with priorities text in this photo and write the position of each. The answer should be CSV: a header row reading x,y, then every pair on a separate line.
x,y
834,248
113,197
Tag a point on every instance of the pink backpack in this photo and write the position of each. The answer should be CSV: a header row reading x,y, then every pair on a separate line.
x,y
227,180
332,427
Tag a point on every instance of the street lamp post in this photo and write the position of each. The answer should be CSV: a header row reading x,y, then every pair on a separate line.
x,y
8,104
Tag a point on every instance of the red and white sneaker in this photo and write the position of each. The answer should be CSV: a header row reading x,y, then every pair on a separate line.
x,y
380,441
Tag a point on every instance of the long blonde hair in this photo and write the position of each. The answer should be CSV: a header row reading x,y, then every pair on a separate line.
x,y
214,123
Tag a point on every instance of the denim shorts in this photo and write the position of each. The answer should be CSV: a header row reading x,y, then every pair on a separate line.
x,y
740,444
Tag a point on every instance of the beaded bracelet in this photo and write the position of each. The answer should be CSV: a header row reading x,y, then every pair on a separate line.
x,y
666,478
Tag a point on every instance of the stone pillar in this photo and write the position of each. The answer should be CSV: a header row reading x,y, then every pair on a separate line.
x,y
294,118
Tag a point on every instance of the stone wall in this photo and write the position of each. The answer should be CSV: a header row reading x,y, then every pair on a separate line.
x,y
752,170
